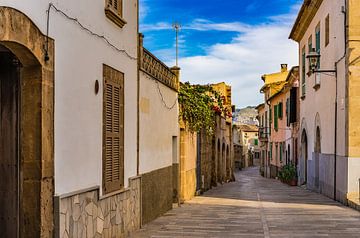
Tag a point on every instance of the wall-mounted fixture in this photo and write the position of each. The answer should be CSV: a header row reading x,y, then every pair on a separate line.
x,y
314,59
96,87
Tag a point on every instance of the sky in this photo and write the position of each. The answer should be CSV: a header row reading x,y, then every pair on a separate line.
x,y
232,41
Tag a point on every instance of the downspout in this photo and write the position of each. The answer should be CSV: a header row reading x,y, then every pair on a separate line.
x,y
139,50
344,9
267,161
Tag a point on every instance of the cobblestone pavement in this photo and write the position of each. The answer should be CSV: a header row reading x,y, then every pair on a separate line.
x,y
256,207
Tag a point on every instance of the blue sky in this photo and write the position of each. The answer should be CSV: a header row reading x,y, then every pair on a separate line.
x,y
232,41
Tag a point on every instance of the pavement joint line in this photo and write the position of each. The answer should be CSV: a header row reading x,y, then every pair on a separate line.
x,y
263,218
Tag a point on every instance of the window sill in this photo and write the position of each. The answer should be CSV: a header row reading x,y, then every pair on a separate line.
x,y
115,17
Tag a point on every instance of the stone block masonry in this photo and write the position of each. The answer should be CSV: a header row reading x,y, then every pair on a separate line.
x,y
86,215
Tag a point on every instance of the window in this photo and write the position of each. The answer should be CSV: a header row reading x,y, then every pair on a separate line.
x,y
256,142
317,41
280,152
310,44
303,66
288,112
113,130
280,110
327,30
310,49
276,108
114,11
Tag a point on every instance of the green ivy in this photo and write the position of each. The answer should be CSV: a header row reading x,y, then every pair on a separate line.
x,y
198,106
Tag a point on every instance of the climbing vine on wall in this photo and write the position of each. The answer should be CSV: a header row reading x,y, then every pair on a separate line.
x,y
198,106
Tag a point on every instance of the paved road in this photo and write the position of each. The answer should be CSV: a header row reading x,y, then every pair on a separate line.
x,y
256,207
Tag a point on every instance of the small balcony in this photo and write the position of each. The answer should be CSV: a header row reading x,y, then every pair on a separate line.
x,y
263,134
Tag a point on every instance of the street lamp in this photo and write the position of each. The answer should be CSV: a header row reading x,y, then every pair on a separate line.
x,y
314,59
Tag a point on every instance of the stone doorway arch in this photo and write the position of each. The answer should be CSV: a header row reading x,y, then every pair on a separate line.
x,y
34,142
218,161
304,155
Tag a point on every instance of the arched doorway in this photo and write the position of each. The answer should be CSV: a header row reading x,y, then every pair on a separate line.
x,y
213,163
228,176
317,151
304,156
223,161
27,134
218,161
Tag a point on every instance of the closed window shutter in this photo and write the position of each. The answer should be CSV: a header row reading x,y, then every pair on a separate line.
x,y
280,110
113,144
116,5
276,117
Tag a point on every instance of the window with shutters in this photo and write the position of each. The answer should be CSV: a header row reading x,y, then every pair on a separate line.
x,y
276,108
280,110
113,130
114,11
303,66
327,30
317,42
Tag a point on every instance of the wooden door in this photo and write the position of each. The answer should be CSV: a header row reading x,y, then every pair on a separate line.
x,y
9,166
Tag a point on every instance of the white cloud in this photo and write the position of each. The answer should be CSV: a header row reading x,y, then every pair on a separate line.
x,y
143,9
241,63
198,25
254,51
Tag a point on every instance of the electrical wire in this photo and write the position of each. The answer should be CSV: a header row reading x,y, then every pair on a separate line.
x,y
172,106
52,6
163,100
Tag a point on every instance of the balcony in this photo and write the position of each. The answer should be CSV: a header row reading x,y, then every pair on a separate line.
x,y
263,134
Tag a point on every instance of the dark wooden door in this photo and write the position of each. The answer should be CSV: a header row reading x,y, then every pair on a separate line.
x,y
9,166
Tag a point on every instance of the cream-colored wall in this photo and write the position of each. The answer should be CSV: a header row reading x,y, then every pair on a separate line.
x,y
322,101
158,124
79,58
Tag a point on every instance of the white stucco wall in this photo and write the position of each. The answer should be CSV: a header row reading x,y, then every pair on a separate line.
x,y
322,101
79,58
158,125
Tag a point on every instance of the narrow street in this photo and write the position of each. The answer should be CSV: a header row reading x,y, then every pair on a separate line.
x,y
256,207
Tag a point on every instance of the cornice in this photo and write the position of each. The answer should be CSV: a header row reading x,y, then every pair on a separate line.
x,y
304,18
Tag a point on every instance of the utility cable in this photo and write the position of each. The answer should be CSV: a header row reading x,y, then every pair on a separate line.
x,y
102,37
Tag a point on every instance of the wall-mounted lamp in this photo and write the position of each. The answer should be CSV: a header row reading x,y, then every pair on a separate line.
x,y
314,59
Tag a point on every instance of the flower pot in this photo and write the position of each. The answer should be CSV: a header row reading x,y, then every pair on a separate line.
x,y
293,182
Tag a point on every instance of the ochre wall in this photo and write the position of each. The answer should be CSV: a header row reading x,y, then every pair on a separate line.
x,y
188,149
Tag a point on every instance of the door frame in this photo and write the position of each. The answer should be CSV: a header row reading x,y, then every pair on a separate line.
x,y
36,126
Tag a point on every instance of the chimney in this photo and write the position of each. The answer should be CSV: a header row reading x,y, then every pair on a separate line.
x,y
283,68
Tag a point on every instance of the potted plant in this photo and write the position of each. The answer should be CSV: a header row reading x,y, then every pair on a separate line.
x,y
288,174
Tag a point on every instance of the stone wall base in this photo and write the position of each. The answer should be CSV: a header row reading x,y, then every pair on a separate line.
x,y
86,215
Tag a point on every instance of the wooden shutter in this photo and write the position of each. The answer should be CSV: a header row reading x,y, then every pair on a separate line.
x,y
113,130
280,110
293,105
276,117
327,30
116,6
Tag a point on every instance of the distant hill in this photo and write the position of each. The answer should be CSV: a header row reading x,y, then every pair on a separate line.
x,y
246,116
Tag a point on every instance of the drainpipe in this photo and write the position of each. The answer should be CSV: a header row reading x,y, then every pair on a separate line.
x,y
343,10
267,161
